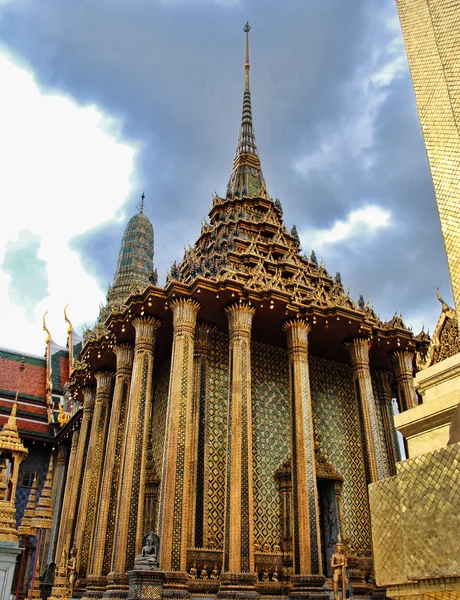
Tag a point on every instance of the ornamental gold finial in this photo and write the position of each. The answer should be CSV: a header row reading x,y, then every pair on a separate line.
x,y
15,404
247,66
67,320
45,328
141,205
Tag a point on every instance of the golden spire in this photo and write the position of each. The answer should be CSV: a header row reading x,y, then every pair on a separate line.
x,y
69,338
44,512
247,66
246,179
27,527
11,425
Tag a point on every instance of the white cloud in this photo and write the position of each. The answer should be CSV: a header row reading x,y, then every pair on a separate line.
x,y
361,223
353,135
64,171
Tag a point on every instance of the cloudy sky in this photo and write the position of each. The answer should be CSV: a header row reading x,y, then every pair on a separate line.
x,y
102,100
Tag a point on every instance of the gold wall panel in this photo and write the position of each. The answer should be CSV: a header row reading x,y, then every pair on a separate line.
x,y
160,404
387,531
271,436
427,489
336,422
431,32
216,446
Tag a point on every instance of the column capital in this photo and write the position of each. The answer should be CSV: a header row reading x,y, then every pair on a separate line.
x,y
403,361
185,311
297,331
358,349
75,436
239,317
125,355
146,328
89,397
62,454
104,383
204,334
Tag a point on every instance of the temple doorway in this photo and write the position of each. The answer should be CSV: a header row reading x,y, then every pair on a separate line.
x,y
329,522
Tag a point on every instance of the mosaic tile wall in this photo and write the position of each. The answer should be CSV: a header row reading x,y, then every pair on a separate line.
x,y
160,404
216,442
271,436
432,39
337,428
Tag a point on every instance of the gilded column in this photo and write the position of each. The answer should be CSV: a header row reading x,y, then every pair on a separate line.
x,y
103,535
59,590
203,340
358,350
403,362
382,379
175,501
93,471
57,500
306,538
89,396
239,501
152,482
130,497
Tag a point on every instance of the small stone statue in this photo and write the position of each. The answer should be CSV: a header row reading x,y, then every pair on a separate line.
x,y
215,573
276,548
147,560
204,573
267,547
266,577
275,577
192,573
339,566
71,572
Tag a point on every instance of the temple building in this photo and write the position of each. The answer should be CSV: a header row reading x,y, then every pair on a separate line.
x,y
239,412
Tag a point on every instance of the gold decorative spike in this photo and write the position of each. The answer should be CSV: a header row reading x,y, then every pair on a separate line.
x,y
44,511
11,442
69,338
27,527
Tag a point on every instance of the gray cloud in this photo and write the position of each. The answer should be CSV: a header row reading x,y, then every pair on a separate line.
x,y
172,72
29,280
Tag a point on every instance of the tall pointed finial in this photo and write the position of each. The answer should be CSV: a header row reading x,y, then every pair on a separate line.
x,y
12,418
246,179
45,328
141,205
247,66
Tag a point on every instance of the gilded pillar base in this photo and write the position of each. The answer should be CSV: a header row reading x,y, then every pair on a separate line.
x,y
59,589
238,585
146,585
176,585
311,587
96,586
117,585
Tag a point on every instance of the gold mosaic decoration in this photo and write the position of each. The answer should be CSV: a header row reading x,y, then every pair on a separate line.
x,y
432,39
216,461
426,495
387,534
271,437
336,423
160,404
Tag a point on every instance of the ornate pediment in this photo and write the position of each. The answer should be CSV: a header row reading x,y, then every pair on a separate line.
x,y
446,338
